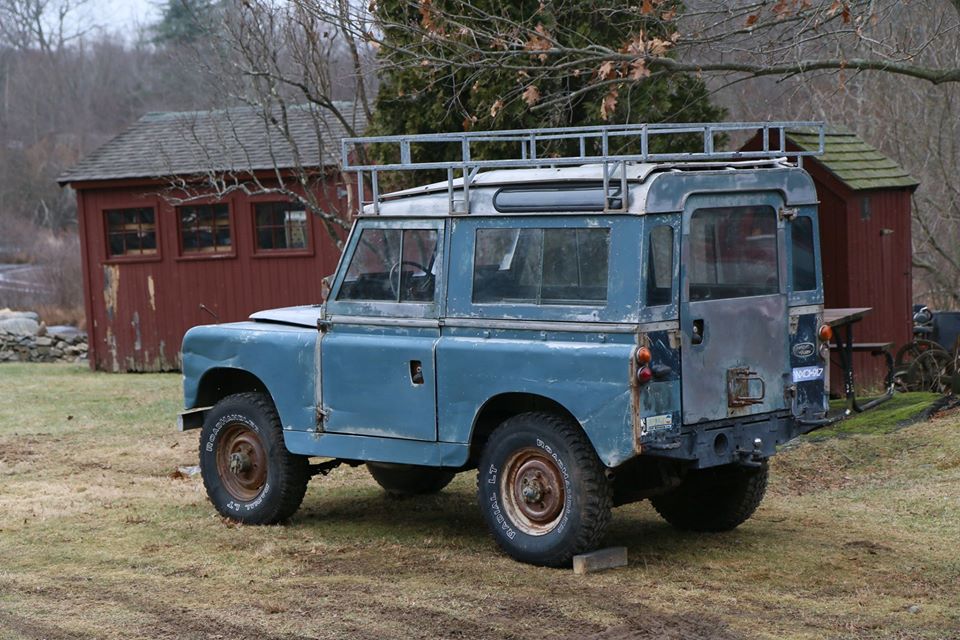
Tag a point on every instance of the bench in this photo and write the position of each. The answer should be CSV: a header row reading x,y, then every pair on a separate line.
x,y
875,349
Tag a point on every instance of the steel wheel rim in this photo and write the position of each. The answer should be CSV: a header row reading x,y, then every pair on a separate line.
x,y
241,461
533,491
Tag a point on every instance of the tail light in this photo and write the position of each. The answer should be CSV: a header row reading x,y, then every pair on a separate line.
x,y
825,333
643,356
644,375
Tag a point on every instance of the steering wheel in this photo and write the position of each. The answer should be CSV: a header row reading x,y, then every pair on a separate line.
x,y
396,268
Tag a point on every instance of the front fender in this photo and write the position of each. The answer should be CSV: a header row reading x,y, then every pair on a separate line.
x,y
282,357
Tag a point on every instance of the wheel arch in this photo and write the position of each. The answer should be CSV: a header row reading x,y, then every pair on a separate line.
x,y
502,406
219,382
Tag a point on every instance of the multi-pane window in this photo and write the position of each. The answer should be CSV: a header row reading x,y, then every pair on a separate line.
x,y
391,265
131,232
541,266
205,228
280,226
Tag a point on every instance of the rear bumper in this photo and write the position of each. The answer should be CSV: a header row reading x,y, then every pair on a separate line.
x,y
747,440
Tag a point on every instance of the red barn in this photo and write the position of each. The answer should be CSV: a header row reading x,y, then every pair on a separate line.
x,y
158,260
865,240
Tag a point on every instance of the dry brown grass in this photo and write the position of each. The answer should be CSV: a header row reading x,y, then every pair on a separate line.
x,y
97,540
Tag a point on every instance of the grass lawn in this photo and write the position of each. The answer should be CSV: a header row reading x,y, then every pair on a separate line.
x,y
859,537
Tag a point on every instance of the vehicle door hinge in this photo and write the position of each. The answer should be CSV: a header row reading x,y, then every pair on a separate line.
x,y
788,214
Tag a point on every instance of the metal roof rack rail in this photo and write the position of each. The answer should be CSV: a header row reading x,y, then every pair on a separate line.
x,y
593,147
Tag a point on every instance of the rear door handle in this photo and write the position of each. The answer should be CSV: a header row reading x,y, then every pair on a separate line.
x,y
696,336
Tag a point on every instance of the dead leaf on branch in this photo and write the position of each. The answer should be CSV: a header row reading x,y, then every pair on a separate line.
x,y
531,95
752,20
540,41
606,70
496,108
609,104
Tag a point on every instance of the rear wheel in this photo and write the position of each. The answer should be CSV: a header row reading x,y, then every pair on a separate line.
x,y
249,475
408,479
542,490
716,499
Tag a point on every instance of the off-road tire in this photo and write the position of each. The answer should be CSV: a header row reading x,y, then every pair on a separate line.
x,y
531,441
716,499
409,479
251,418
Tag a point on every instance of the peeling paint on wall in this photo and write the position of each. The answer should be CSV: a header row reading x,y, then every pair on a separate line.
x,y
111,285
135,323
152,292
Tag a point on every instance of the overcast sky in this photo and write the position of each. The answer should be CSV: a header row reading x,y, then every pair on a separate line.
x,y
122,15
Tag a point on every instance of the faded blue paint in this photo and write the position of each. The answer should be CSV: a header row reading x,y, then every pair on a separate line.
x,y
591,379
347,447
367,383
282,357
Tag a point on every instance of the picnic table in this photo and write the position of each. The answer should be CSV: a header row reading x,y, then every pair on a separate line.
x,y
842,321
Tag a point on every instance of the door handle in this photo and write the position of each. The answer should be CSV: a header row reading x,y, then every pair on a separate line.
x,y
696,337
416,372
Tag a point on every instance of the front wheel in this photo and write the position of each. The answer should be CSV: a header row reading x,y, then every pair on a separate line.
x,y
716,499
249,475
542,490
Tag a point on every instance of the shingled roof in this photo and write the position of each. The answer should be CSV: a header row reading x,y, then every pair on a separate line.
x,y
854,162
239,139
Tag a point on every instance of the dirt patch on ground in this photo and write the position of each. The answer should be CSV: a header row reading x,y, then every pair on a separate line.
x,y
654,626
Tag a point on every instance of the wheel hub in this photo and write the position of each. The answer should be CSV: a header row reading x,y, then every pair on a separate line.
x,y
241,461
533,491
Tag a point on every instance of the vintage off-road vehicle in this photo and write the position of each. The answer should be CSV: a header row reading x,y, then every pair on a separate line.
x,y
585,330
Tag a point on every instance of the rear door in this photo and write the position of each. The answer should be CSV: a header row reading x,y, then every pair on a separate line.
x,y
733,312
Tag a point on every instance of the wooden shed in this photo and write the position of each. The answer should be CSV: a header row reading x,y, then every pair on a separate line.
x,y
158,261
865,239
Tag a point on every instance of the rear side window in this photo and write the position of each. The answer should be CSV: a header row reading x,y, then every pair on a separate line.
x,y
541,266
804,264
733,253
660,265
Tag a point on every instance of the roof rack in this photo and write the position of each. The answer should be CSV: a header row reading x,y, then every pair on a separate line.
x,y
593,145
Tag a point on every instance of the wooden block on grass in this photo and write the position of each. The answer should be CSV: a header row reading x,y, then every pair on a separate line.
x,y
609,558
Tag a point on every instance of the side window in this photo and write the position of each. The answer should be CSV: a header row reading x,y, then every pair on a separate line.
x,y
804,262
660,265
390,265
541,266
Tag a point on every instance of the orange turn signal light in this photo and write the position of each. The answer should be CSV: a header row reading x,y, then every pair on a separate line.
x,y
825,333
643,356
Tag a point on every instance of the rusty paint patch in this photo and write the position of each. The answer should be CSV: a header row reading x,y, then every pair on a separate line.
x,y
152,292
112,349
111,285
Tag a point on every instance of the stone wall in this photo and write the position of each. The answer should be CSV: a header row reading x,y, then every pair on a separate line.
x,y
42,348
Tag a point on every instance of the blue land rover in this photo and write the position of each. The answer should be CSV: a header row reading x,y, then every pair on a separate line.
x,y
585,329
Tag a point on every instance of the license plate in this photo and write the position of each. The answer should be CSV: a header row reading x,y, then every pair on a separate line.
x,y
806,374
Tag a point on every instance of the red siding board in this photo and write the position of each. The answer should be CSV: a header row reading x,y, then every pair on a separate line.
x,y
138,310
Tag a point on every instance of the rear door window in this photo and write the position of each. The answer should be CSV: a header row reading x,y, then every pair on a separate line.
x,y
732,253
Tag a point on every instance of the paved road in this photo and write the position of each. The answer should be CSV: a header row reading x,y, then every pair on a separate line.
x,y
22,278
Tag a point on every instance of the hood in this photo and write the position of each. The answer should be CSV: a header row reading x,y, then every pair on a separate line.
x,y
303,316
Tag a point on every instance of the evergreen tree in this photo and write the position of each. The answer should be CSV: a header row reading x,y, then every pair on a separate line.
x,y
419,94
185,21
